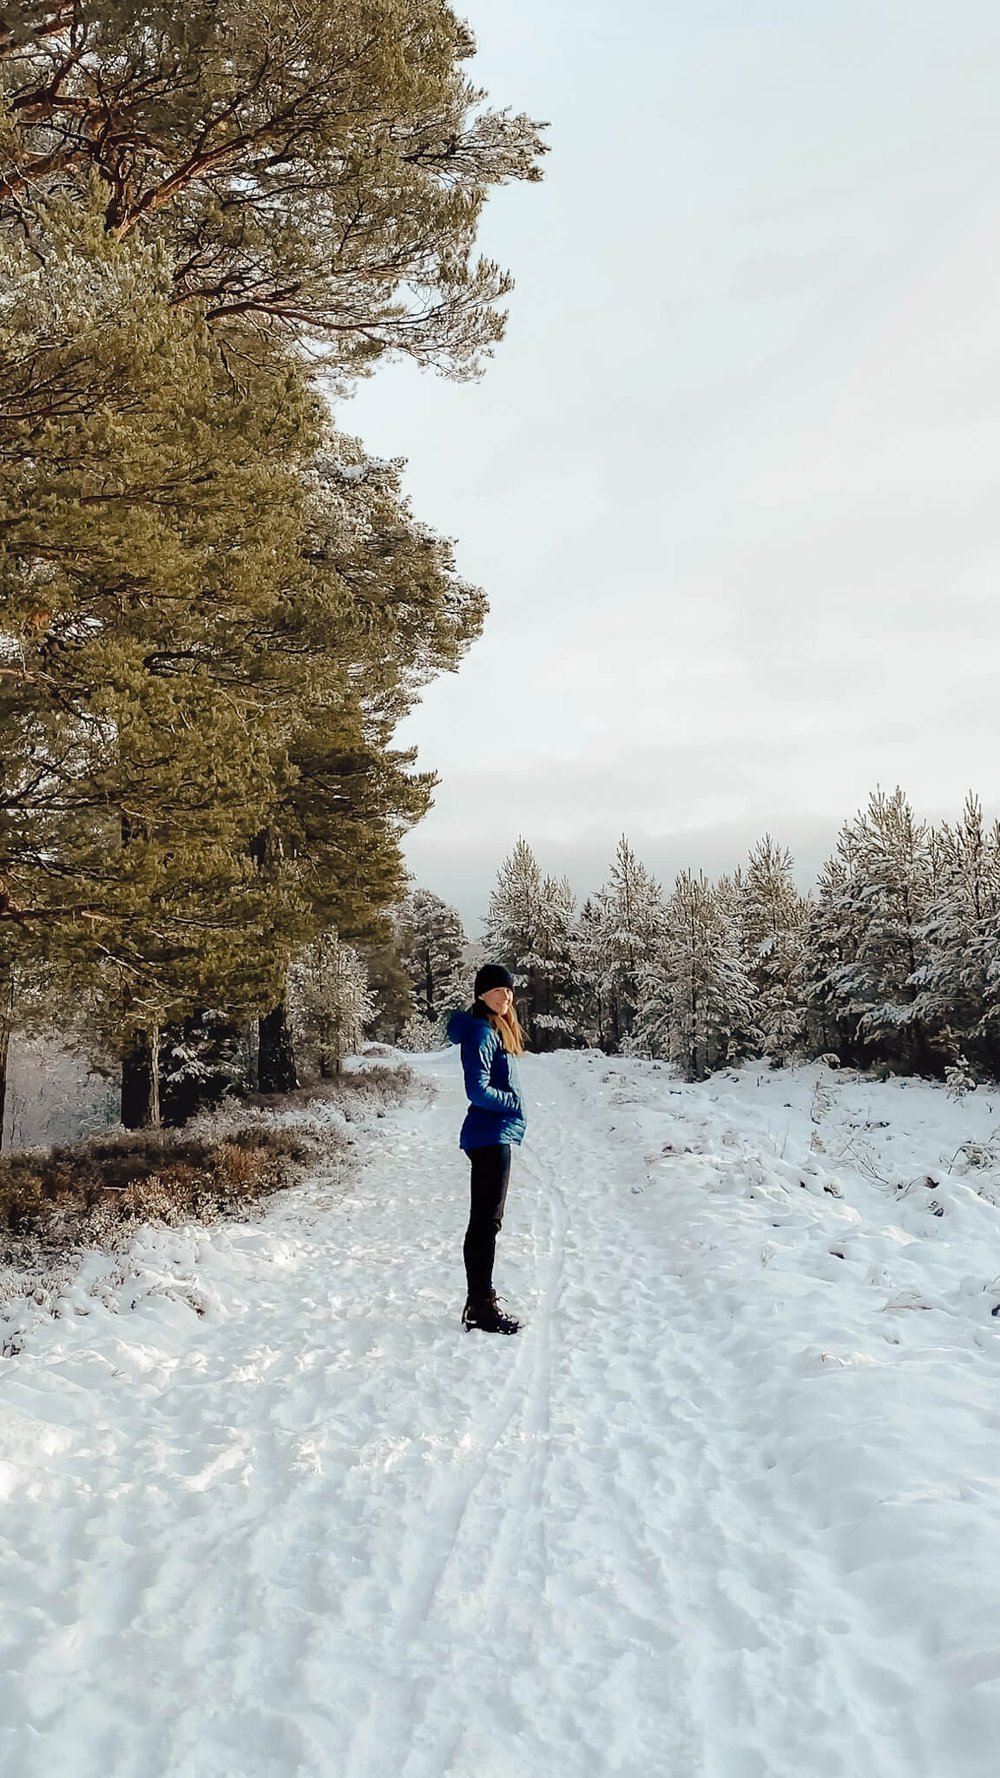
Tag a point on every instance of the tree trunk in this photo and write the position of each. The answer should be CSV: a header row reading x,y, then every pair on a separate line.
x,y
4,1052
275,1056
6,1026
140,1082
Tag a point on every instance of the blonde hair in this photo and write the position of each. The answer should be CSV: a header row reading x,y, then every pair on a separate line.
x,y
508,1029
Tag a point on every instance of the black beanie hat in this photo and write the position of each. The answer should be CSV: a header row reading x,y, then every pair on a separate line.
x,y
492,976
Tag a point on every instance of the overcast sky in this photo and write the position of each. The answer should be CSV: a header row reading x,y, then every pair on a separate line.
x,y
731,480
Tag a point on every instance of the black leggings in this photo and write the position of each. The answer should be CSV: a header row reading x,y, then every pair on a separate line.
x,y
490,1178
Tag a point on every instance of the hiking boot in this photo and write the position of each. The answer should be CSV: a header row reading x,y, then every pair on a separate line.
x,y
487,1315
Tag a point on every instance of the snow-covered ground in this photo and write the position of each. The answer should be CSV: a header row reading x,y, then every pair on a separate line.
x,y
729,1507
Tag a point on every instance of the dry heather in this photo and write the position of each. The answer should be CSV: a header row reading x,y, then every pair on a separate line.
x,y
57,1202
78,1194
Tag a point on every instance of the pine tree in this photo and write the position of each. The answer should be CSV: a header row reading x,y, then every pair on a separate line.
x,y
389,983
829,942
588,951
529,929
698,1009
319,169
378,610
266,176
8,1002
631,919
330,1001
511,927
150,510
215,611
557,1019
201,1061
957,981
431,943
882,885
771,915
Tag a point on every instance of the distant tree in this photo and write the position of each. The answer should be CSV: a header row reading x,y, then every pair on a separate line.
x,y
869,935
557,1018
771,916
390,986
529,929
958,981
588,950
828,944
431,942
698,1006
513,924
630,925
330,1001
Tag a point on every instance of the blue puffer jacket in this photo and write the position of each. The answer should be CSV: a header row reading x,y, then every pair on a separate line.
x,y
495,1112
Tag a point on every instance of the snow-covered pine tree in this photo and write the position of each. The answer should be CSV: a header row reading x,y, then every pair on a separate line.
x,y
329,1000
557,1020
771,915
630,922
588,952
511,928
529,927
390,985
699,1005
431,943
829,940
957,999
202,1059
883,882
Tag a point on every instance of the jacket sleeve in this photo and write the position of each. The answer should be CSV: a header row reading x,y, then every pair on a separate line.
x,y
476,1056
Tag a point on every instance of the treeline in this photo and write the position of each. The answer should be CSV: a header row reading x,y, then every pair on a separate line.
x,y
892,962
215,606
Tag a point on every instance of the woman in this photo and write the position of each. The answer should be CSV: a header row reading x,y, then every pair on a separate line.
x,y
490,1037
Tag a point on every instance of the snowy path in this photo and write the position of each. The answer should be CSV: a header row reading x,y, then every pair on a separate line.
x,y
727,1508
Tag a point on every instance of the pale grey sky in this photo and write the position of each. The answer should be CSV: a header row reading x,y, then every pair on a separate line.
x,y
731,480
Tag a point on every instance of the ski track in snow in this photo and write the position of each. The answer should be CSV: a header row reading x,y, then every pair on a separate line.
x,y
726,1508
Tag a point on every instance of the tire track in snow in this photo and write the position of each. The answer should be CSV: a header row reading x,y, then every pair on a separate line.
x,y
402,1697
435,1740
528,1487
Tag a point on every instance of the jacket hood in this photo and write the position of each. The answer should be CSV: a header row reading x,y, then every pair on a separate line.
x,y
462,1021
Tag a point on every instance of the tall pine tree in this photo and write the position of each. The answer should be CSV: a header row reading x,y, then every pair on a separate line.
x,y
771,915
313,168
431,942
631,920
698,1009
